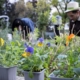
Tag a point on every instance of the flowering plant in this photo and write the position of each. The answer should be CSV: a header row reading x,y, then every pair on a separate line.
x,y
34,58
10,51
68,62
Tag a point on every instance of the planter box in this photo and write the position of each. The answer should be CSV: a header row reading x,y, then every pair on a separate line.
x,y
8,73
53,77
36,75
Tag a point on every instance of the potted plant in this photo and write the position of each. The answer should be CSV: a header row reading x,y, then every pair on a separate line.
x,y
33,67
9,58
33,60
68,66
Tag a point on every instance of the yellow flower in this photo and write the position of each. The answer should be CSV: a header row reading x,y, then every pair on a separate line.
x,y
26,54
1,42
40,44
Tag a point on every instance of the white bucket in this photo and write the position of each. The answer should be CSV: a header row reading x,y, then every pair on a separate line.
x,y
9,37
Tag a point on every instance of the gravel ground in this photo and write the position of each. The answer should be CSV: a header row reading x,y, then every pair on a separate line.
x,y
20,78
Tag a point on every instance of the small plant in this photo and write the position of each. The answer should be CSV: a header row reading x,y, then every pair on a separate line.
x,y
68,64
34,58
10,51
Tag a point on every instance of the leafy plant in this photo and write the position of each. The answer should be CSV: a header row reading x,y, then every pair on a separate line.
x,y
68,64
35,58
10,53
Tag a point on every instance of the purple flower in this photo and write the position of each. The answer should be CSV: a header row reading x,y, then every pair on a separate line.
x,y
41,39
30,50
48,44
25,45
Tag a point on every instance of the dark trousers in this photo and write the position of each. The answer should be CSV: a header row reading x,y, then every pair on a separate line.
x,y
57,30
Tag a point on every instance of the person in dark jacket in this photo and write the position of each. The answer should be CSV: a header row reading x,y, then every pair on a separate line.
x,y
73,12
25,25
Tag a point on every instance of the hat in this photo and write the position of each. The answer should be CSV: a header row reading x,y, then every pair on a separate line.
x,y
71,6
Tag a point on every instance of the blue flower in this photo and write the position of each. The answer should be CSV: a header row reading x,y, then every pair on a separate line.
x,y
41,39
48,44
30,50
25,45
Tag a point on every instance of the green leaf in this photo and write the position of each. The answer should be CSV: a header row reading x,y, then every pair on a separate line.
x,y
31,74
56,72
76,71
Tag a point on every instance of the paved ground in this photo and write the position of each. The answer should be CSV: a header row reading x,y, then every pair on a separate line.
x,y
20,78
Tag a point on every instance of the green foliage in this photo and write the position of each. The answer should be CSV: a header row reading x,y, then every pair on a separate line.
x,y
10,53
77,1
68,65
42,6
55,13
35,62
33,36
42,10
54,19
54,2
39,60
3,33
43,21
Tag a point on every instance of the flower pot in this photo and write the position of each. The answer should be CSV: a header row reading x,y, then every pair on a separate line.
x,y
8,73
53,77
36,75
